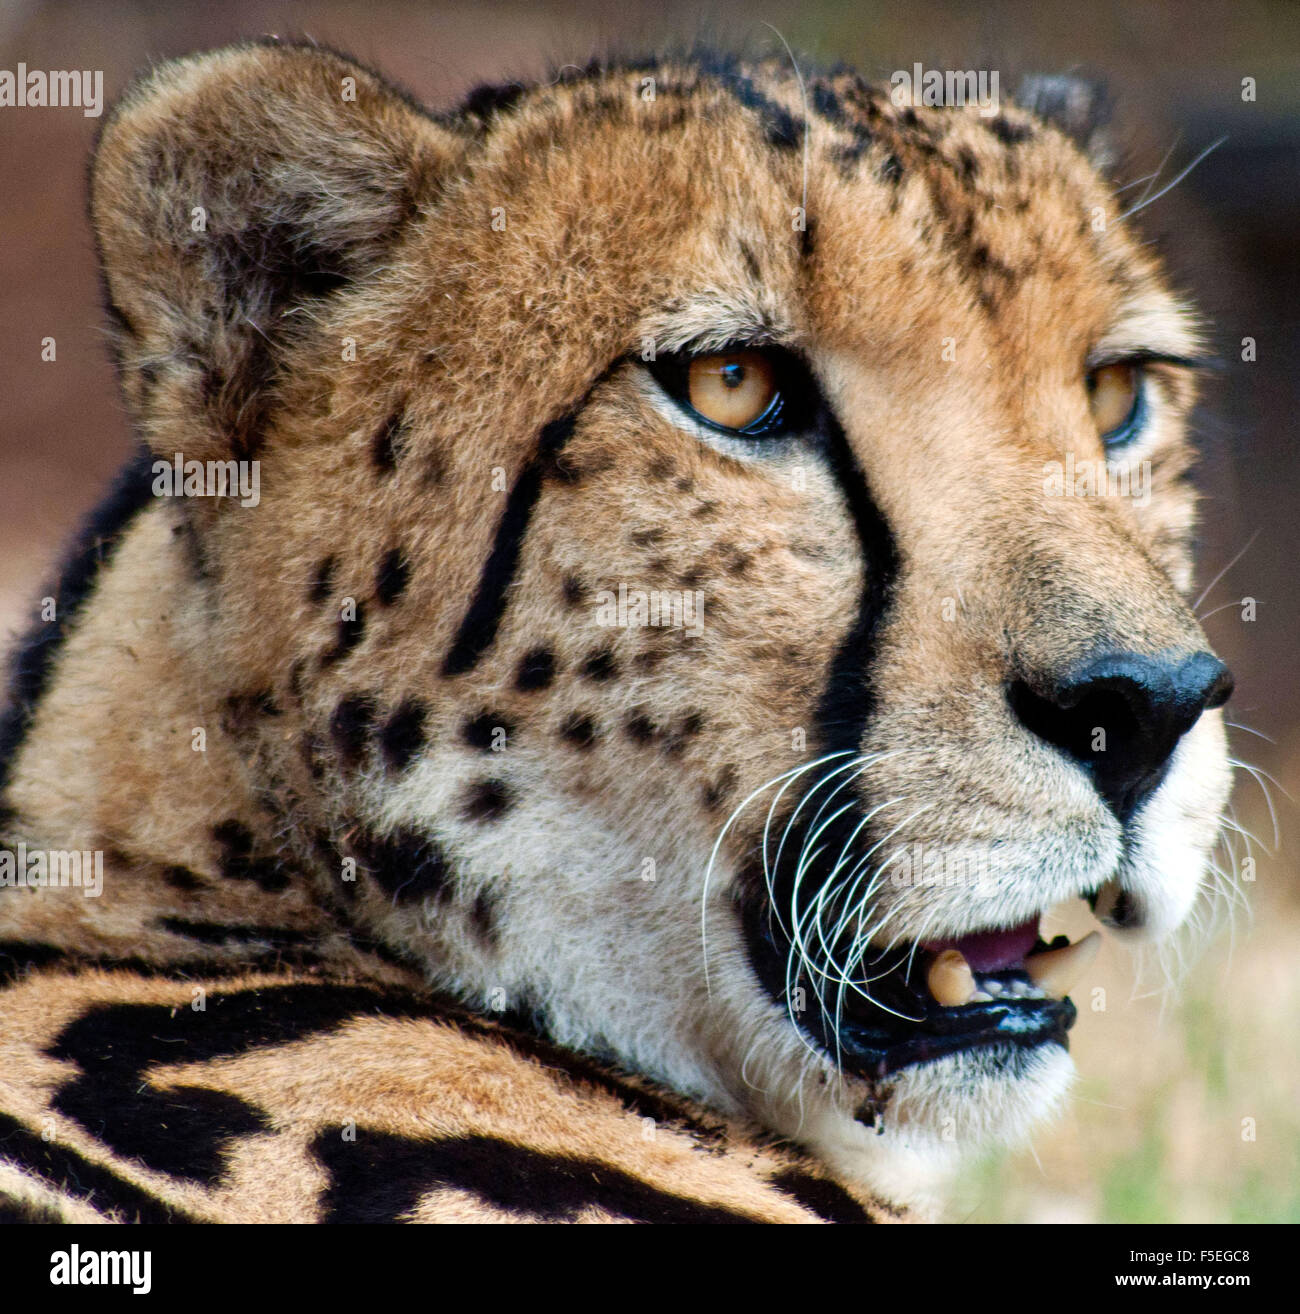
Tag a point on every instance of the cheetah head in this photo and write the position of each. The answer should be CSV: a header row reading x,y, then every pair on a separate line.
x,y
722,556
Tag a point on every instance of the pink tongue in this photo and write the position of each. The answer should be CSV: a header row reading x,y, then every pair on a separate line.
x,y
991,951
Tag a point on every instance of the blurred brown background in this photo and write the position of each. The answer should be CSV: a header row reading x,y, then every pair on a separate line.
x,y
1157,1130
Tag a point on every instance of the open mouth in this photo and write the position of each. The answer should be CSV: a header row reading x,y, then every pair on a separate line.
x,y
919,1002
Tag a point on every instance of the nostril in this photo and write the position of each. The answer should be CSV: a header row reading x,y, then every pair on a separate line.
x,y
1083,724
1121,715
1204,682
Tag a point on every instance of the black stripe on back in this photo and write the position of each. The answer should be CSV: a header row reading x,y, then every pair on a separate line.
x,y
32,664
71,1173
379,1177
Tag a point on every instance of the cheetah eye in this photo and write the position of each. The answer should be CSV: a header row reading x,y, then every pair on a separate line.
x,y
733,389
1116,399
748,392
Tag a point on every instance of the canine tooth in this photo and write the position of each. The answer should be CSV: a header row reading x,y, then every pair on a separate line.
x,y
1056,970
950,979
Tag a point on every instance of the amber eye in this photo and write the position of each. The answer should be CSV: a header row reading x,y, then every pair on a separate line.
x,y
733,389
1115,396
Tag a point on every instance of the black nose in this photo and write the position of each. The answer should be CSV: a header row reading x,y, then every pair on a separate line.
x,y
1121,715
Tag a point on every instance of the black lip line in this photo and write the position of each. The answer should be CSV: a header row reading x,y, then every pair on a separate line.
x,y
1056,1017
870,1050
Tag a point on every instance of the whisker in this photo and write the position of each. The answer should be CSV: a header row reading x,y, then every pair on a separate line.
x,y
1205,592
1169,186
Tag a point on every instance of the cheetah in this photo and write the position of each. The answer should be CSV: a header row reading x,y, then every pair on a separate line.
x,y
604,654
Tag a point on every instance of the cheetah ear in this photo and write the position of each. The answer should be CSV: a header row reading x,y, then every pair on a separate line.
x,y
230,190
1079,107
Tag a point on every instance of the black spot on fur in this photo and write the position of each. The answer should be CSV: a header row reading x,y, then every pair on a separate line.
x,y
488,800
322,581
754,269
827,103
567,470
350,633
536,670
600,666
640,729
403,734
717,791
121,322
381,1178
1008,133
479,732
191,545
780,128
182,878
405,864
387,445
687,728
241,713
573,591
489,99
890,169
580,731
237,861
392,577
847,157
350,727
807,239
482,917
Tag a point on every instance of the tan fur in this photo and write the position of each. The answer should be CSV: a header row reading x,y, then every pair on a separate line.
x,y
626,219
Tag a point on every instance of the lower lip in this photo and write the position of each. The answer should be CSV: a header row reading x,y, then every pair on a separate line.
x,y
885,1041
1020,1024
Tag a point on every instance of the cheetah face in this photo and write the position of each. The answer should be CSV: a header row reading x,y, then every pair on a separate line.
x,y
723,559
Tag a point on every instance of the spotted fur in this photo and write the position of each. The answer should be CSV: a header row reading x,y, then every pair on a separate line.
x,y
362,750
